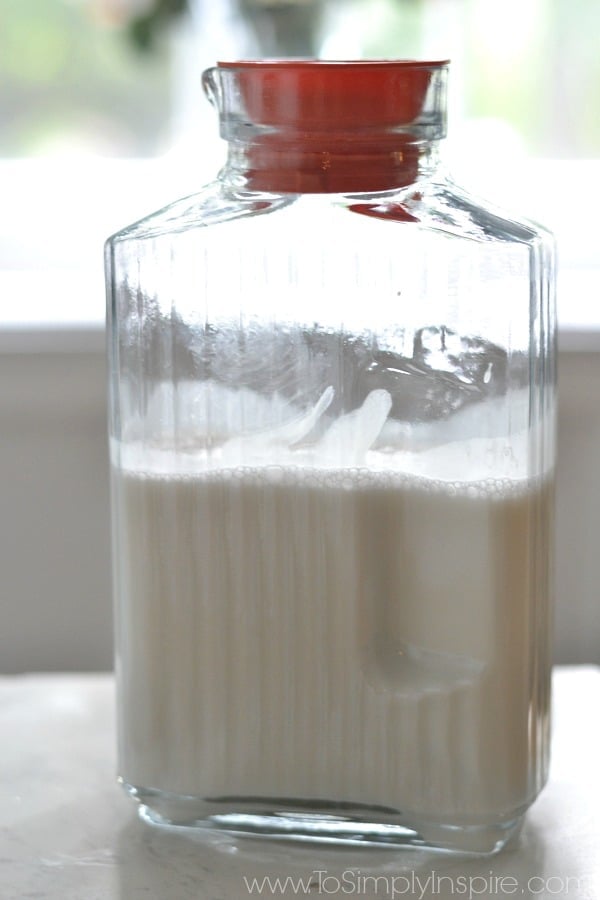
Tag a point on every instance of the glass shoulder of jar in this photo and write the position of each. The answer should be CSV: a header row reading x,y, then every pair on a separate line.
x,y
446,207
212,205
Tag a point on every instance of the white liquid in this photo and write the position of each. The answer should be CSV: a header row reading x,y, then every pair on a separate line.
x,y
340,634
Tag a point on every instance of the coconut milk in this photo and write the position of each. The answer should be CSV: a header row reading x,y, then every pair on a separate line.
x,y
343,634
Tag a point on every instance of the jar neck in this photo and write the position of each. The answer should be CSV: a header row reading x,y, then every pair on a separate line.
x,y
325,127
341,164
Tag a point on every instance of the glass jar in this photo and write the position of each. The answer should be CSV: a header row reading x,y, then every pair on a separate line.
x,y
332,446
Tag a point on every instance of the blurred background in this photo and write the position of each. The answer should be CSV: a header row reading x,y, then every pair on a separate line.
x,y
102,120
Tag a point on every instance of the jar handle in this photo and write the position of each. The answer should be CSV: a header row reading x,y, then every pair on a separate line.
x,y
211,86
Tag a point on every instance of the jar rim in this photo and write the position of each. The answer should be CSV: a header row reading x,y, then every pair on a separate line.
x,y
302,63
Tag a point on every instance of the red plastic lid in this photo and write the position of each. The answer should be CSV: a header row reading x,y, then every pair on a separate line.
x,y
323,95
322,126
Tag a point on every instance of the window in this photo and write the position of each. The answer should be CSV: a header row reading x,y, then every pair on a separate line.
x,y
73,83
97,132
78,104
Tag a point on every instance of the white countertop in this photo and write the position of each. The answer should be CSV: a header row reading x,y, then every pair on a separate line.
x,y
68,833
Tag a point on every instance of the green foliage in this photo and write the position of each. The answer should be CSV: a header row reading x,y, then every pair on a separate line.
x,y
146,29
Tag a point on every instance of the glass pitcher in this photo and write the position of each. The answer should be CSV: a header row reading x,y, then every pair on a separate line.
x,y
332,450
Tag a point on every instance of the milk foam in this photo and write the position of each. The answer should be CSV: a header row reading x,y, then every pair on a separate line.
x,y
214,427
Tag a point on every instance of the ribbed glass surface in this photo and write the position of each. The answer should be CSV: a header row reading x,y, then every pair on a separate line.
x,y
332,452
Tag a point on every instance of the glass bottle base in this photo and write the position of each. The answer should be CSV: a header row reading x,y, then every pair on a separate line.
x,y
314,820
